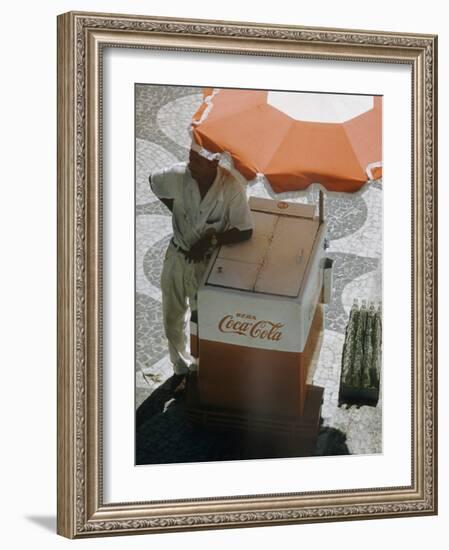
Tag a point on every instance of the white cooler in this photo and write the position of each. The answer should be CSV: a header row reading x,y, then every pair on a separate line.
x,y
260,321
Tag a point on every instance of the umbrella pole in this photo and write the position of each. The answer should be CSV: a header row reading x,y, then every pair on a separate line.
x,y
321,207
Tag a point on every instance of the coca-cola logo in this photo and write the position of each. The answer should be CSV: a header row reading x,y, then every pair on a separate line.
x,y
248,325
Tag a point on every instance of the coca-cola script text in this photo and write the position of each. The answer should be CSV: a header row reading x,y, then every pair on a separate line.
x,y
264,330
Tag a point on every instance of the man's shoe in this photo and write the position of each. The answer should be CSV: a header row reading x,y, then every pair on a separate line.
x,y
178,383
181,388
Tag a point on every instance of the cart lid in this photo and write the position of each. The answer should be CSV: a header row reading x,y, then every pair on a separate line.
x,y
275,259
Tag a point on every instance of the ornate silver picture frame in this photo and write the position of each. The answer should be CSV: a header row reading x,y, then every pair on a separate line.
x,y
83,510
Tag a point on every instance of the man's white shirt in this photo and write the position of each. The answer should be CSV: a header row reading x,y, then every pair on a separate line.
x,y
224,206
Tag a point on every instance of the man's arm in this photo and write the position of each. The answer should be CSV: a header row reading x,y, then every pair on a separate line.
x,y
198,251
233,235
168,202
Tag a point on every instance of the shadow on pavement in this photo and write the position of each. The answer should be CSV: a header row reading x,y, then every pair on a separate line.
x,y
155,403
165,435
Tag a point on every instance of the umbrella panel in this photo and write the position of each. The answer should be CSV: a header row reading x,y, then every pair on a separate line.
x,y
244,134
291,154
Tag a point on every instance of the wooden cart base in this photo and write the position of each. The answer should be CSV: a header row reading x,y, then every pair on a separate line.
x,y
296,434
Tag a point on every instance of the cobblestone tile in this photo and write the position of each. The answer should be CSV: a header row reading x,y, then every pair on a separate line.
x,y
154,259
366,287
362,428
151,345
345,215
149,230
347,267
174,118
149,100
366,240
149,157
327,372
156,208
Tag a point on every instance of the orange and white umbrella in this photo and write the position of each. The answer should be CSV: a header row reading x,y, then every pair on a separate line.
x,y
294,139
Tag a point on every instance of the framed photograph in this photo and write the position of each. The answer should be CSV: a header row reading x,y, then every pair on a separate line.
x,y
247,276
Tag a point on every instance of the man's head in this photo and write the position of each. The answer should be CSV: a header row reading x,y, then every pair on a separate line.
x,y
202,169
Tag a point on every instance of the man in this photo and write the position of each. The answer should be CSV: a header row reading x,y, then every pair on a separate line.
x,y
209,208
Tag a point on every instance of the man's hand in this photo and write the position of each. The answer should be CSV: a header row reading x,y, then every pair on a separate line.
x,y
199,250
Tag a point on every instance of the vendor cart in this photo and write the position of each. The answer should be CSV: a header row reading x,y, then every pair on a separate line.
x,y
260,326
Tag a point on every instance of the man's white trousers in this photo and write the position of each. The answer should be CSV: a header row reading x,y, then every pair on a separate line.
x,y
180,281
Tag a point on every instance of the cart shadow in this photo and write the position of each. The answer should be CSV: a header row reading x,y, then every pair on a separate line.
x,y
155,403
165,434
